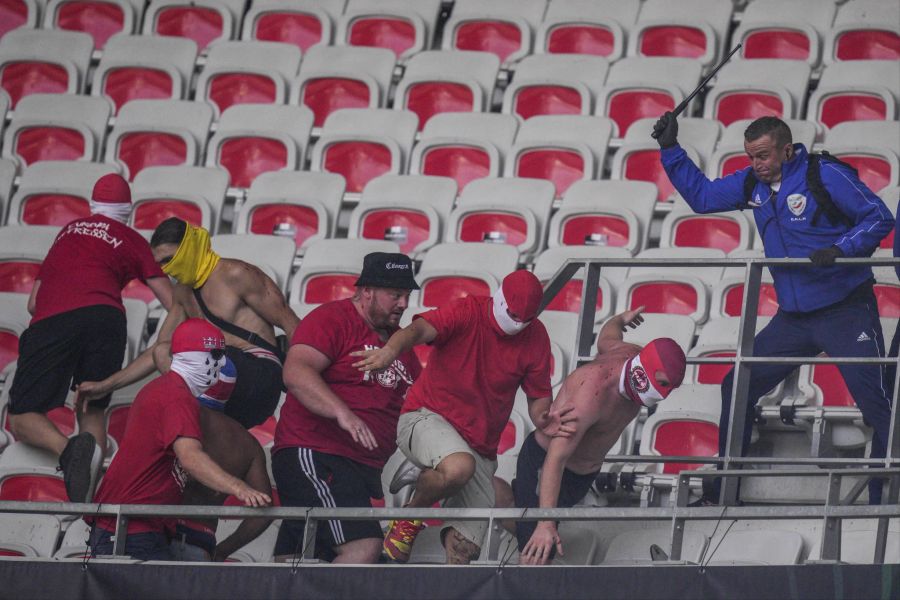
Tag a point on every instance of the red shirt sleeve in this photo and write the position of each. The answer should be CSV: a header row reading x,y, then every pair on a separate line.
x,y
323,329
536,383
448,319
179,417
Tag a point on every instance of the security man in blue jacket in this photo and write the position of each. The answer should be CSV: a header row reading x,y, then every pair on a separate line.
x,y
827,308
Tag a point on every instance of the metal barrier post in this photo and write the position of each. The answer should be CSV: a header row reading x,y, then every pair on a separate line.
x,y
831,526
121,534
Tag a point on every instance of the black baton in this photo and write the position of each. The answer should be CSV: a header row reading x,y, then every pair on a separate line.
x,y
680,108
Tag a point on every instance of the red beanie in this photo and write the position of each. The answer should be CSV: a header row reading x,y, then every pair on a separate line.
x,y
197,335
523,292
112,189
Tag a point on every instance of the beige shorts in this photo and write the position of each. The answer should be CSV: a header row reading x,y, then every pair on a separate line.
x,y
426,438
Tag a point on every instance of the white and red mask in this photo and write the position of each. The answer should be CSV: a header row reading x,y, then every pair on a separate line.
x,y
638,378
111,198
198,354
519,295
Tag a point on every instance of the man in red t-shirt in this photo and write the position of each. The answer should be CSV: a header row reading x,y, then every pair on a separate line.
x,y
338,425
162,446
484,350
78,332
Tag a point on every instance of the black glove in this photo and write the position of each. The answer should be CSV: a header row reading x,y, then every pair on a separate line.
x,y
824,257
665,131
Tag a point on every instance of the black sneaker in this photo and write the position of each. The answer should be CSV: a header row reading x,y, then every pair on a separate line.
x,y
75,464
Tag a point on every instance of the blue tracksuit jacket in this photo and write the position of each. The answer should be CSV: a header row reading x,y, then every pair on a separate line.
x,y
785,222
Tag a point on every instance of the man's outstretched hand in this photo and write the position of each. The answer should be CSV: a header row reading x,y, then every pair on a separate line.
x,y
665,131
824,257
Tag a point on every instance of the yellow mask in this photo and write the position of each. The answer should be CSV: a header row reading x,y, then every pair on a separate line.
x,y
194,260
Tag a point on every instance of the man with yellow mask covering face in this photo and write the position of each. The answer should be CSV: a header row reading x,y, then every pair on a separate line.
x,y
235,296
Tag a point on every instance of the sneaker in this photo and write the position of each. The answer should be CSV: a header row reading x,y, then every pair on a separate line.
x,y
399,539
406,474
75,463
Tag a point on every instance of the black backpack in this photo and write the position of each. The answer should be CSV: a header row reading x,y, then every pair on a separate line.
x,y
822,197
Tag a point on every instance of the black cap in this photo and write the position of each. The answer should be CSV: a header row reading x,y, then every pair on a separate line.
x,y
388,270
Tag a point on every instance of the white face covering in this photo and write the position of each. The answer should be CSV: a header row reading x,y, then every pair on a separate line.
x,y
117,211
509,325
199,370
640,386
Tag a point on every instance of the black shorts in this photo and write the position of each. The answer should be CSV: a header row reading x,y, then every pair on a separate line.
x,y
306,477
257,389
572,489
59,352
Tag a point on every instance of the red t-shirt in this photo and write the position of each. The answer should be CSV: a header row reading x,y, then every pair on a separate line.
x,y
474,371
145,469
90,262
336,329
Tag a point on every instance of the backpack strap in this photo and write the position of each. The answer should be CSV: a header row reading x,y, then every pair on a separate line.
x,y
824,202
750,182
237,330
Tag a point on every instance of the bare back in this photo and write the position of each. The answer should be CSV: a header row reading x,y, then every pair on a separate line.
x,y
224,294
603,413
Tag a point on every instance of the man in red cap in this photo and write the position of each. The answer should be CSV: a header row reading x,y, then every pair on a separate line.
x,y
162,447
604,396
450,426
78,330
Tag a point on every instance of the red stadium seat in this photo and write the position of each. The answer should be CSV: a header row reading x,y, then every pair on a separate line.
x,y
13,14
269,218
848,106
150,213
560,166
686,438
439,291
599,229
747,105
430,98
665,297
459,162
100,19
18,276
873,170
132,83
358,162
34,61
831,382
713,374
673,40
493,227
25,487
116,420
9,347
151,149
53,209
202,24
407,227
507,437
888,298
247,157
265,433
324,95
288,24
138,291
707,232
789,44
768,300
392,32
325,288
868,44
594,39
627,106
569,298
644,165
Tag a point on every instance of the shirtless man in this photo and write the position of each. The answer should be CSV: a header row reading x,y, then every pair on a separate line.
x,y
235,296
240,455
605,395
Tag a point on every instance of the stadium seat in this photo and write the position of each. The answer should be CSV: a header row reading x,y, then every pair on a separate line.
x,y
75,541
887,294
454,270
274,255
302,206
604,213
638,157
204,21
891,197
18,13
56,127
363,143
785,30
858,540
28,535
335,77
440,81
561,149
570,296
402,26
511,438
55,192
728,297
730,155
101,19
193,194
43,62
139,67
678,327
555,84
859,90
304,23
28,474
410,210
513,211
639,87
864,30
685,424
755,547
694,29
464,146
7,177
155,133
330,269
257,551
22,250
14,319
632,548
252,139
872,147
136,313
562,327
749,89
502,27
594,27
247,72
725,231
